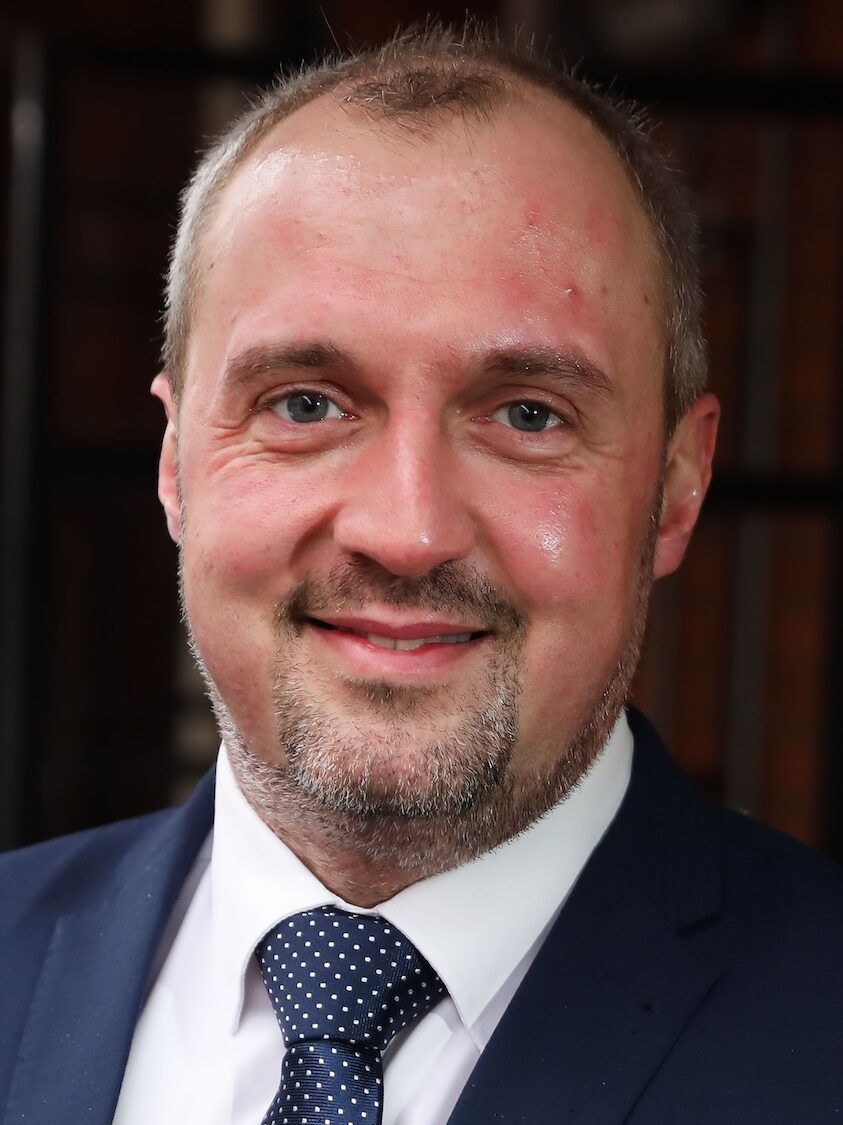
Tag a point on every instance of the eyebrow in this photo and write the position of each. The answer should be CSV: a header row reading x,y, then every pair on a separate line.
x,y
313,355
563,366
566,367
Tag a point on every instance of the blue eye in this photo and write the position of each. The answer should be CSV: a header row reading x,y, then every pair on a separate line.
x,y
305,407
528,417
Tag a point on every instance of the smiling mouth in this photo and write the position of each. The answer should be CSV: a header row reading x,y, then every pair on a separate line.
x,y
402,644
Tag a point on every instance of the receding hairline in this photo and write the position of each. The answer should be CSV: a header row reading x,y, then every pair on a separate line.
x,y
333,107
514,92
428,75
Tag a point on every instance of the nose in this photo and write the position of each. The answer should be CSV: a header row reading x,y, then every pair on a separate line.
x,y
402,506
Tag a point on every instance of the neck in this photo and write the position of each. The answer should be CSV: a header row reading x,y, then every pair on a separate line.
x,y
354,877
366,858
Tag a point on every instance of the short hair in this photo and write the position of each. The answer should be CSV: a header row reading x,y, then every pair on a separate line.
x,y
419,78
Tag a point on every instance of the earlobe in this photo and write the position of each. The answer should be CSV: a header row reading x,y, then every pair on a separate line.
x,y
686,480
168,488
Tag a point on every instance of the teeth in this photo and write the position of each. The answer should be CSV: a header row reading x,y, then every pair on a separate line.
x,y
416,642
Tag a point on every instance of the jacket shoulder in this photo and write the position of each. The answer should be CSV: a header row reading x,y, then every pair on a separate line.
x,y
57,872
692,840
791,894
61,874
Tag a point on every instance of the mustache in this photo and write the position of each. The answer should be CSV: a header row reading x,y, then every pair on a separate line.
x,y
359,583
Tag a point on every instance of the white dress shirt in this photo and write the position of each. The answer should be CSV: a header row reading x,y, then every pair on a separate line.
x,y
207,1048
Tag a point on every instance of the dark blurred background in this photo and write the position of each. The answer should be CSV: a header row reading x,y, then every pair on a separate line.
x,y
105,105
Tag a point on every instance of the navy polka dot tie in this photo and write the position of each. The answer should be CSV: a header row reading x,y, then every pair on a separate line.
x,y
342,985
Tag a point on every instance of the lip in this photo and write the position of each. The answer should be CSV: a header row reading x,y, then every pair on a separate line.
x,y
353,655
398,630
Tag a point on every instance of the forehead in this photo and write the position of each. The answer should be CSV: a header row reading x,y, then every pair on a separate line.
x,y
537,151
527,207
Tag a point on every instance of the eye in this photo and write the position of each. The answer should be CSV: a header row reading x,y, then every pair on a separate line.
x,y
528,417
306,406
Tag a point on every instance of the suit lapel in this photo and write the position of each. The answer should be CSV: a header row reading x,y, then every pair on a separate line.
x,y
622,971
85,1005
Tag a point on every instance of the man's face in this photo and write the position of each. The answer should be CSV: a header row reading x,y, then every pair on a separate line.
x,y
420,450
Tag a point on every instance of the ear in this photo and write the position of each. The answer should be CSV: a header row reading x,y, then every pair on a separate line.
x,y
168,490
687,476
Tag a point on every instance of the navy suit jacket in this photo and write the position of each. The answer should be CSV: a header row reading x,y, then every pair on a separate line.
x,y
694,975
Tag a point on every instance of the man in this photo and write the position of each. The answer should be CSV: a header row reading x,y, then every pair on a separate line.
x,y
435,422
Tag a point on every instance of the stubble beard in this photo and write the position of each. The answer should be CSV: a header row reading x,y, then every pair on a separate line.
x,y
387,792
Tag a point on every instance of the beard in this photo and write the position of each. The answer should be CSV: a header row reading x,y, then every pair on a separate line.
x,y
415,780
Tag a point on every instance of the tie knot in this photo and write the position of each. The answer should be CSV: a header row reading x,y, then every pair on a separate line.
x,y
353,978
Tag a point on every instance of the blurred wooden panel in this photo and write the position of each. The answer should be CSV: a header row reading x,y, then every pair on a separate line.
x,y
107,602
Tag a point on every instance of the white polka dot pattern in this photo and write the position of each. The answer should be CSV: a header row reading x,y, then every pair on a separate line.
x,y
342,985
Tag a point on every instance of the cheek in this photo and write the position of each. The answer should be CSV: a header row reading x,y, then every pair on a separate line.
x,y
577,566
236,552
244,528
569,547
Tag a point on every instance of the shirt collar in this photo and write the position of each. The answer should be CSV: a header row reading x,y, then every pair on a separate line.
x,y
255,882
477,924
